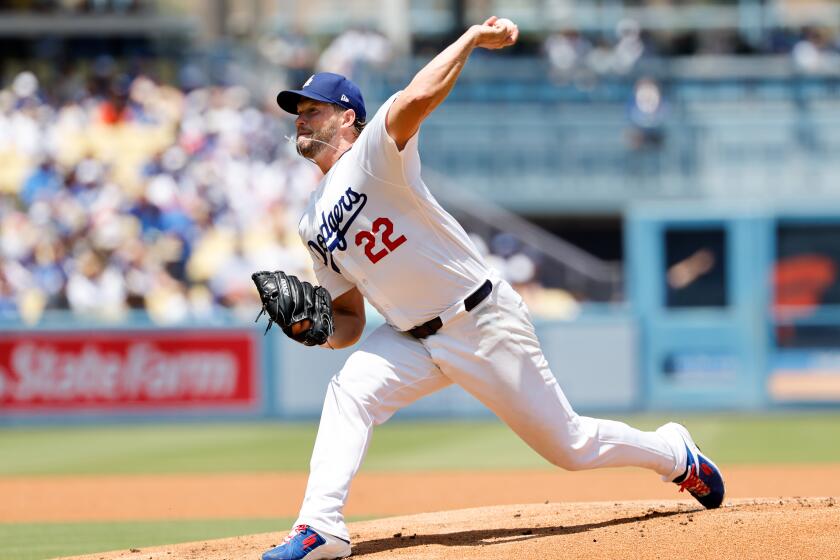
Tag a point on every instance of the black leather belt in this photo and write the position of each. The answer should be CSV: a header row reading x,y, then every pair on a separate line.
x,y
431,327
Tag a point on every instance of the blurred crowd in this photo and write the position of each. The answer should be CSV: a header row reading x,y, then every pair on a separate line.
x,y
76,6
144,197
580,58
299,56
574,57
132,195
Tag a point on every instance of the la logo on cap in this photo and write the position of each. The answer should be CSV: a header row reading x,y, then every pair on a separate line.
x,y
309,81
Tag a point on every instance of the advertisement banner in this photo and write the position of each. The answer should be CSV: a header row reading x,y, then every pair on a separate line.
x,y
118,371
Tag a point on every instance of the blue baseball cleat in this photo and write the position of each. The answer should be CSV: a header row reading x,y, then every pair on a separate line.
x,y
702,478
304,543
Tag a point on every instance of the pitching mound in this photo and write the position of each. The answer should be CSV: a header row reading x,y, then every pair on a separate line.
x,y
781,528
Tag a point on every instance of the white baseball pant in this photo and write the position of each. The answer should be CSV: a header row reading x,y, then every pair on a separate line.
x,y
493,353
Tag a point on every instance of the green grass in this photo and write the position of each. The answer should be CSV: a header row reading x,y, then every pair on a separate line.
x,y
170,448
783,438
36,541
264,447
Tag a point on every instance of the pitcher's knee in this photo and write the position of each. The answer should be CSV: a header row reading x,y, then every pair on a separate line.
x,y
349,389
569,460
358,392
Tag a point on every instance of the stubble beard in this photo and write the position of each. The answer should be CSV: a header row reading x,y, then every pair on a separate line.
x,y
312,145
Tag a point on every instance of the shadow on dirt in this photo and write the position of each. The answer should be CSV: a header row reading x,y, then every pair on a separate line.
x,y
490,537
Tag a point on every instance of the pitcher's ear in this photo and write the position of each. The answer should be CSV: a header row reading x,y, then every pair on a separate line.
x,y
348,118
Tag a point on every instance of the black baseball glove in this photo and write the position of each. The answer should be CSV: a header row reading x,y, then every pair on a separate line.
x,y
288,301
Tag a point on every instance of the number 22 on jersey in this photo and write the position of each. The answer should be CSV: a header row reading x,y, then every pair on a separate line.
x,y
368,239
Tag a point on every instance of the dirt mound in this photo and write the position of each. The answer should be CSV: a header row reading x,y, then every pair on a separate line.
x,y
781,528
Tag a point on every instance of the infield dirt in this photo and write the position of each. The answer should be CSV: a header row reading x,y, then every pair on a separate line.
x,y
751,529
374,494
567,518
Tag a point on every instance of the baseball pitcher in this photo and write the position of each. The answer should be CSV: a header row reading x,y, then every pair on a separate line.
x,y
375,232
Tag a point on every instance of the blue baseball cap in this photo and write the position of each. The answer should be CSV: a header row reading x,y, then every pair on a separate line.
x,y
326,87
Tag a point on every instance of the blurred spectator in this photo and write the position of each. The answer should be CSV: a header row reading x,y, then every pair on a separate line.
x,y
95,287
353,48
629,48
566,52
115,108
814,53
293,51
519,265
8,305
43,182
647,112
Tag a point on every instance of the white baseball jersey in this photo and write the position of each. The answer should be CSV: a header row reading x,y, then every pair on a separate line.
x,y
372,223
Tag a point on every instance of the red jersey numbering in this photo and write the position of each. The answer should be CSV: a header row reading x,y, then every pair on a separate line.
x,y
368,239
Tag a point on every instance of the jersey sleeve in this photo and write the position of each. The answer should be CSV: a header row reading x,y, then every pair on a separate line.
x,y
379,155
334,282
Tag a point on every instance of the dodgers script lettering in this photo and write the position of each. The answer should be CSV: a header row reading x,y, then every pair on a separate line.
x,y
334,226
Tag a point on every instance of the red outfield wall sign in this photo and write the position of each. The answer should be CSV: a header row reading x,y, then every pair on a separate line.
x,y
127,370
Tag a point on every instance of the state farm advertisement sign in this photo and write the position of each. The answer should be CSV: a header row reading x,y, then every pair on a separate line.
x,y
64,371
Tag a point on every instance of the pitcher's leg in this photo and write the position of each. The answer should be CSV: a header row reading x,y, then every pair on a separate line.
x,y
493,352
388,372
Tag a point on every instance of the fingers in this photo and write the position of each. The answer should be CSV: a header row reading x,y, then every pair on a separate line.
x,y
515,35
301,326
511,29
497,33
